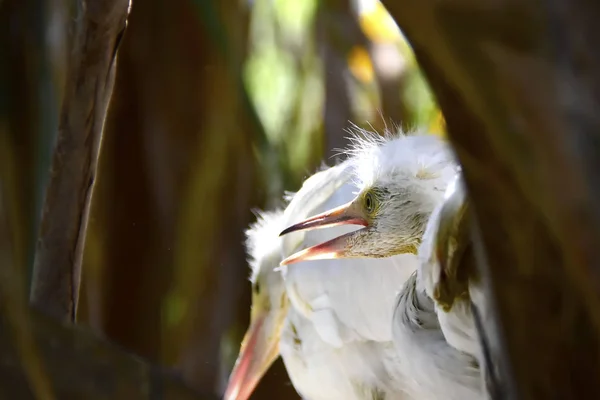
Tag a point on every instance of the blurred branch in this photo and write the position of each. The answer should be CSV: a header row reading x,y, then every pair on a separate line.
x,y
519,86
391,80
57,266
217,31
229,126
81,366
337,32
13,295
30,111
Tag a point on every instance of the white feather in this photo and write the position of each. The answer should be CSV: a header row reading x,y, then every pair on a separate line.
x,y
319,371
439,370
259,249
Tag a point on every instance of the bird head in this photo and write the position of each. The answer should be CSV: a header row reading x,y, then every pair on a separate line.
x,y
401,180
260,346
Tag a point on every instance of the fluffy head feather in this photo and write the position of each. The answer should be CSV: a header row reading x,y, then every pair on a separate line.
x,y
263,244
385,159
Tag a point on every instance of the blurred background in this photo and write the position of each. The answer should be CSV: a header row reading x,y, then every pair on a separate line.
x,y
219,107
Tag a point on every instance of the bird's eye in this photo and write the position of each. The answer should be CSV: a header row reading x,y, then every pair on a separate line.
x,y
257,287
370,203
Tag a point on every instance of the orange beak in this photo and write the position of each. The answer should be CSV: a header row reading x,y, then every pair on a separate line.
x,y
347,214
255,358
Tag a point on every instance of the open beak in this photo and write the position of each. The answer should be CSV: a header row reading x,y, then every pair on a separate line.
x,y
257,353
347,214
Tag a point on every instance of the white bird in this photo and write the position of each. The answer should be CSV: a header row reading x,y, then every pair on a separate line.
x,y
331,348
402,184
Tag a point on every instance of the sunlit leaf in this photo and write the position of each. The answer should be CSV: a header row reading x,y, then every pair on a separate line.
x,y
418,98
295,17
438,124
300,145
271,78
360,64
377,23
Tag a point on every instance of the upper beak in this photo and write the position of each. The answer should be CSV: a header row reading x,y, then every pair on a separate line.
x,y
256,356
347,214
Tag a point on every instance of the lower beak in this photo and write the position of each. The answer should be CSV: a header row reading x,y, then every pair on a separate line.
x,y
347,214
255,358
334,248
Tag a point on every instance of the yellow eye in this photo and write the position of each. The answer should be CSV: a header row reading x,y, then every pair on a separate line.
x,y
370,203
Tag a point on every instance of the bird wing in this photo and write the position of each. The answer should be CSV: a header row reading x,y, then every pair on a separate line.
x,y
438,369
454,250
464,324
320,371
449,275
447,269
315,191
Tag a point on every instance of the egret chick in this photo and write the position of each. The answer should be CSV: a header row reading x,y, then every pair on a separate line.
x,y
402,181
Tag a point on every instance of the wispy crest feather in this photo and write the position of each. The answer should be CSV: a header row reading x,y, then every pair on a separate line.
x,y
374,160
262,239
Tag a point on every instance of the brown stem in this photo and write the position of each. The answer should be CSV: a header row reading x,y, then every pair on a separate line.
x,y
57,265
519,86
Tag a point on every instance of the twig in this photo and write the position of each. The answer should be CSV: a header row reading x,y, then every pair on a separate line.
x,y
337,30
57,266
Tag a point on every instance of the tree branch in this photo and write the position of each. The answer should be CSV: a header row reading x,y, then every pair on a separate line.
x,y
518,84
57,266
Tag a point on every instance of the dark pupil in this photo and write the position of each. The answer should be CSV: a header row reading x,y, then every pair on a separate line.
x,y
257,288
369,202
